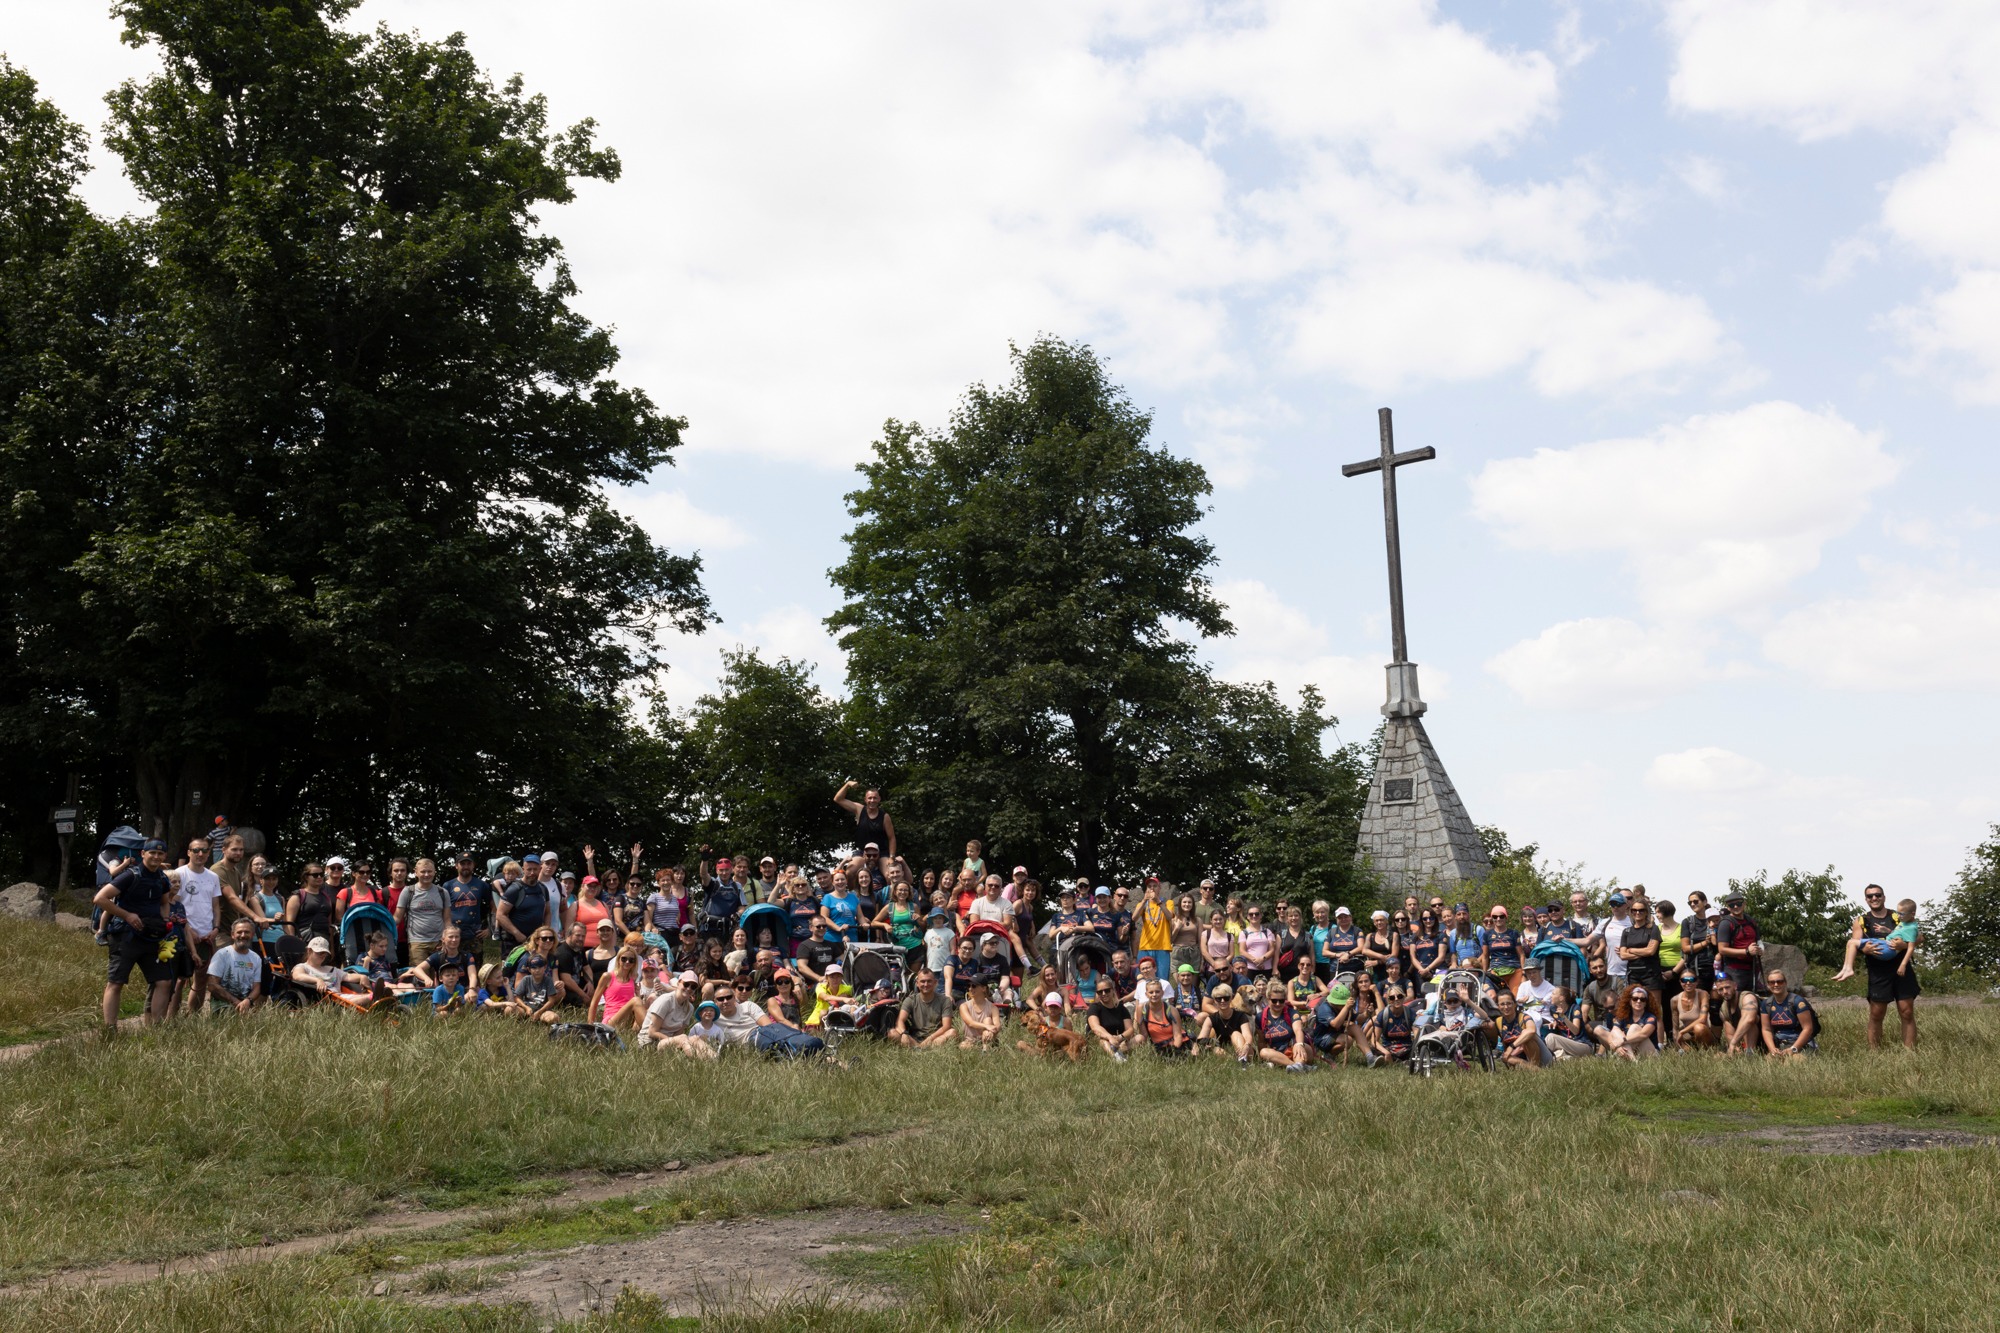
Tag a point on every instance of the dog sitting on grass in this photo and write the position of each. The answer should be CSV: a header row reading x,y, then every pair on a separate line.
x,y
1050,1039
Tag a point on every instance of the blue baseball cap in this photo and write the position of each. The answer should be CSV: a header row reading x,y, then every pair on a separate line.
x,y
531,859
152,845
1616,900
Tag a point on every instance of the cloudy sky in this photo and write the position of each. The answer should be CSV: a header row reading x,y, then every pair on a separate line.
x,y
1698,301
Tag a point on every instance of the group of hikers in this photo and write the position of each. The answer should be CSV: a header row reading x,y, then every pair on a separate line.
x,y
688,960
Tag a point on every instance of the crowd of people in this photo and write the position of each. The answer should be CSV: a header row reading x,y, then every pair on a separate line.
x,y
689,960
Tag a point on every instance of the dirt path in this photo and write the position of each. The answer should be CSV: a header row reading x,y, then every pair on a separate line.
x,y
694,1268
579,1187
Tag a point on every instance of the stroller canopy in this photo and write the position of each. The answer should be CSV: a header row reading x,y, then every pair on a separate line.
x,y
771,917
362,921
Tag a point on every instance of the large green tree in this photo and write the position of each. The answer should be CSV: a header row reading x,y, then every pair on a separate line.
x,y
759,759
349,567
69,324
1019,585
1964,929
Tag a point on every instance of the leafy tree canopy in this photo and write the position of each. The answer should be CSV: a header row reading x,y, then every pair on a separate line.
x,y
337,536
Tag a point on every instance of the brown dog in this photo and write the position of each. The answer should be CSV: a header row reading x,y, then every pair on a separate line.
x,y
1051,1039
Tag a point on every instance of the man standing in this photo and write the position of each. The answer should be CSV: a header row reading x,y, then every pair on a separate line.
x,y
134,906
422,910
523,905
235,974
1738,945
471,901
1611,934
1885,982
764,888
1582,927
201,895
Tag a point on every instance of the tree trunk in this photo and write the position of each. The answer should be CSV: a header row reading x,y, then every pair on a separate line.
x,y
181,795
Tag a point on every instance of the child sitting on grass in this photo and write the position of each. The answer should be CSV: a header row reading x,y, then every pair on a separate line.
x,y
448,996
1883,950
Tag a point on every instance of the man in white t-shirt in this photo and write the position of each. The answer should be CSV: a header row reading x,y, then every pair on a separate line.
x,y
739,1019
990,906
1535,990
202,896
235,975
1613,934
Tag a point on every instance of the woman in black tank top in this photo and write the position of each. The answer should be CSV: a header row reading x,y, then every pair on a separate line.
x,y
310,911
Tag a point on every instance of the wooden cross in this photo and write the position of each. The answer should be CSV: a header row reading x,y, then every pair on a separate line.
x,y
1387,464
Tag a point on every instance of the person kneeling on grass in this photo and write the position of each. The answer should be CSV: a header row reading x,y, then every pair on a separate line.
x,y
236,971
1687,1016
1226,1025
1790,1027
923,1019
1395,1024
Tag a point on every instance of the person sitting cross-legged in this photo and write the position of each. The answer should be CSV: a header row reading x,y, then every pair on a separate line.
x,y
922,1019
235,977
1790,1026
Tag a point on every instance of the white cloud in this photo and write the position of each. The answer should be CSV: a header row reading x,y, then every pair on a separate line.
x,y
1704,176
1819,68
676,522
1715,514
1603,664
1706,769
1915,633
1277,642
857,207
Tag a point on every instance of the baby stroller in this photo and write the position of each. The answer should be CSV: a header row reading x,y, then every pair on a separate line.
x,y
1563,964
280,956
871,1020
771,918
358,923
867,966
1438,1048
1091,947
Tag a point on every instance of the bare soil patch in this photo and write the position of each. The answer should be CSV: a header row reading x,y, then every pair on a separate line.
x,y
754,1262
1851,1140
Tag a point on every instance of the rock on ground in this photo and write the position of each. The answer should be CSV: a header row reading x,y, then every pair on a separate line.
x,y
30,902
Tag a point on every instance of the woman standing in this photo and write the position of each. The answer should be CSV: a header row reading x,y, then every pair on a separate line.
x,y
899,919
1425,949
1258,942
310,912
666,907
1379,946
1185,934
590,907
1218,946
270,903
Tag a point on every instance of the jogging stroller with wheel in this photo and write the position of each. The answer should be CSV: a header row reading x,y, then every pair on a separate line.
x,y
1441,1044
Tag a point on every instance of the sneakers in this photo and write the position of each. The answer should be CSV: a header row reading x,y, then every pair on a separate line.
x,y
1119,1056
1373,1059
1243,1061
1295,1068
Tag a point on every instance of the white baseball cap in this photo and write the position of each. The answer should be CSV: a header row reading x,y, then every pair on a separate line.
x,y
318,944
1342,911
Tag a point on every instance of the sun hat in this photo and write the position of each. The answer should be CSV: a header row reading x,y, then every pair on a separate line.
x,y
708,1006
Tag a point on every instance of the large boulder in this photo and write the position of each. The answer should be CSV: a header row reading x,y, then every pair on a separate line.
x,y
1786,958
30,902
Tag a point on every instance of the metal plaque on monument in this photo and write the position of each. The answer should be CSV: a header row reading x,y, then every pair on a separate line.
x,y
1415,831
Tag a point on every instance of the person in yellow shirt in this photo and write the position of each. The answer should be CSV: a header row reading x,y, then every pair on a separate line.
x,y
831,993
1154,925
